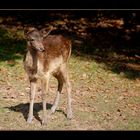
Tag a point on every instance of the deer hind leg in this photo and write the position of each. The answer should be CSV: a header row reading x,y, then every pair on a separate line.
x,y
68,88
59,77
32,95
45,84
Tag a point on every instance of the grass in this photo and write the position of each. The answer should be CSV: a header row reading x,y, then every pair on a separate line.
x,y
101,99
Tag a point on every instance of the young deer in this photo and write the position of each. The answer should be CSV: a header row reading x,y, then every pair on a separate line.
x,y
47,56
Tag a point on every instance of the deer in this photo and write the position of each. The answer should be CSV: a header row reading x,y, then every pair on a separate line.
x,y
47,55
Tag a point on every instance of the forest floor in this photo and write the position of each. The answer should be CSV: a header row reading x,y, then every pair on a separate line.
x,y
101,99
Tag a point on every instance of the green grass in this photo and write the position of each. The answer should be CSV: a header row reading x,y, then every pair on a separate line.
x,y
12,44
100,98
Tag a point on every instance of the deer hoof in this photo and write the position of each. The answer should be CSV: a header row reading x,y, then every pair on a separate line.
x,y
53,109
29,120
44,121
69,115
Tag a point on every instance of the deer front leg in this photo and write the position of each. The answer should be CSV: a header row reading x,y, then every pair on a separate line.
x,y
32,95
45,84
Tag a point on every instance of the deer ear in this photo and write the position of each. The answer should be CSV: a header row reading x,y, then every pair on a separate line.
x,y
25,31
45,32
28,30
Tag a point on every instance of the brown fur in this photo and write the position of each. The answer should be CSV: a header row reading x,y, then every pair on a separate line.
x,y
52,60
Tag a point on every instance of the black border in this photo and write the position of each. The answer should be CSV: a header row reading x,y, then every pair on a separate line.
x,y
69,4
85,135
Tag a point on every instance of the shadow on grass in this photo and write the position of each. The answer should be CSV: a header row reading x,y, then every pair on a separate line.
x,y
24,109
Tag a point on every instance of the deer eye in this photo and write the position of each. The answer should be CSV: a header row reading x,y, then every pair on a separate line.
x,y
31,39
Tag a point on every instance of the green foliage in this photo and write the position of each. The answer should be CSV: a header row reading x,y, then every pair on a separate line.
x,y
12,44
